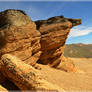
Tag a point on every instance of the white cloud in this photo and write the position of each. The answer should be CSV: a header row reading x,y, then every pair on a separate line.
x,y
80,31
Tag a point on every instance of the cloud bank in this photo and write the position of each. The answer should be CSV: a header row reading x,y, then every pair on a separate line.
x,y
80,31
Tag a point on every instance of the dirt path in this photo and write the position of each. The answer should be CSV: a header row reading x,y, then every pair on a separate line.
x,y
71,81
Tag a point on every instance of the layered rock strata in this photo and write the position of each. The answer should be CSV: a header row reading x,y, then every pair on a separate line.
x,y
25,43
54,33
25,76
19,37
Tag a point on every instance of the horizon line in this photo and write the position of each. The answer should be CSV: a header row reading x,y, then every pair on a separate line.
x,y
79,43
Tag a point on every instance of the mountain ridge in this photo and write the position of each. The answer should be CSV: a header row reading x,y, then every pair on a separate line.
x,y
78,50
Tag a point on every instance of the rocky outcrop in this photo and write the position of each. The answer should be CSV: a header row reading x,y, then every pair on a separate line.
x,y
54,33
24,76
26,43
19,37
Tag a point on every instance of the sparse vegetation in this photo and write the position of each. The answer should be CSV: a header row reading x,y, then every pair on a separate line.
x,y
78,50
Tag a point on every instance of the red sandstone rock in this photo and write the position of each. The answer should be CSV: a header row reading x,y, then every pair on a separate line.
x,y
19,37
25,76
43,42
54,33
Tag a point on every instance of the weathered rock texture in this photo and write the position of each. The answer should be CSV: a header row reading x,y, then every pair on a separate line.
x,y
24,76
19,37
32,42
54,33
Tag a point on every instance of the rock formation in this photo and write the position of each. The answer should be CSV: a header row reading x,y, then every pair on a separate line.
x,y
24,75
26,43
19,37
54,33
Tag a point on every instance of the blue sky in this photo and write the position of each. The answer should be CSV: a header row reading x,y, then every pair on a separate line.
x,y
43,10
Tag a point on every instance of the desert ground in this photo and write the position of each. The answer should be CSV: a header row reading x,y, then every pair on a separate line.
x,y
79,81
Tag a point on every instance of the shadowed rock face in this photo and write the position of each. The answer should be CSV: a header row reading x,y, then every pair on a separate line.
x,y
13,17
57,19
18,36
74,22
54,33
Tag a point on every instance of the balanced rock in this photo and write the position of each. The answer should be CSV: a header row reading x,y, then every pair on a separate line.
x,y
54,33
18,36
24,76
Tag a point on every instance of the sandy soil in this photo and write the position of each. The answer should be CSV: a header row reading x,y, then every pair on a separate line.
x,y
81,81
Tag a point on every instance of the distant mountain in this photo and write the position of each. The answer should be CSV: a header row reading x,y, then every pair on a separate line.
x,y
78,50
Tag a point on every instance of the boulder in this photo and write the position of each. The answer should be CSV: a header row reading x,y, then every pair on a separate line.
x,y
18,36
54,32
24,76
